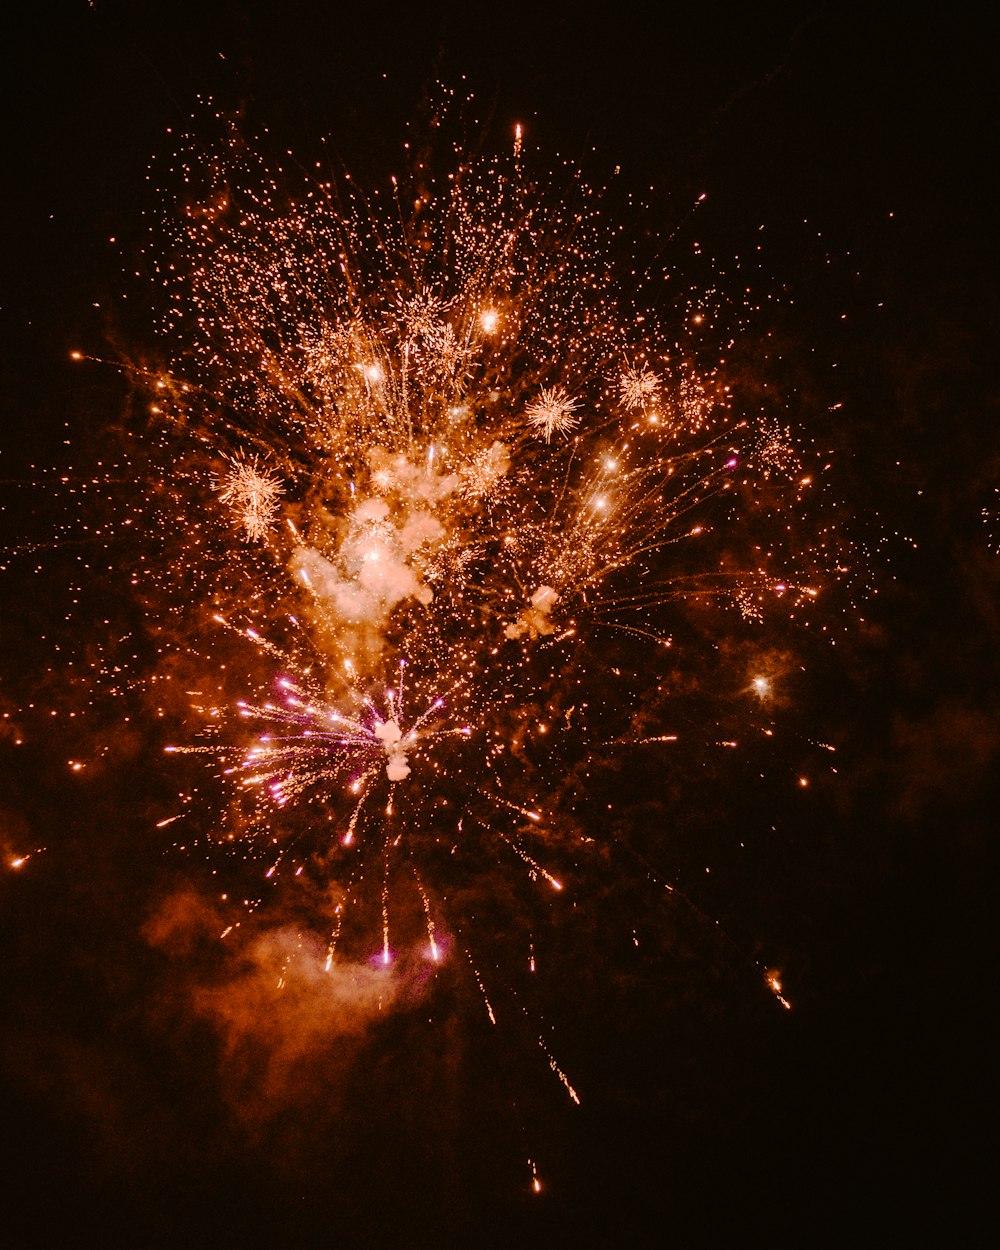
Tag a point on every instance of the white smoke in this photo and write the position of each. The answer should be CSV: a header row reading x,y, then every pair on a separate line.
x,y
373,569
534,620
360,566
398,766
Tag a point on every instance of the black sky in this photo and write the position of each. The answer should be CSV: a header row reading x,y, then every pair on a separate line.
x,y
864,142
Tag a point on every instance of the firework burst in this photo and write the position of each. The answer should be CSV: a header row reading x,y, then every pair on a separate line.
x,y
461,490
254,494
553,412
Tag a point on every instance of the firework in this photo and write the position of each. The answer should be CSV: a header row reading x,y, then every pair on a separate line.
x,y
427,459
553,412
254,495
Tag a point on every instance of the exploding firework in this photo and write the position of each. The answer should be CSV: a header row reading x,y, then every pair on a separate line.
x,y
253,493
425,465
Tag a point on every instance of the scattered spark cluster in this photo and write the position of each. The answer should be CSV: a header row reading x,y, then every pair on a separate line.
x,y
990,516
422,462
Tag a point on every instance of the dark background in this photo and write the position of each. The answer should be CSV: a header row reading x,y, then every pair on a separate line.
x,y
865,142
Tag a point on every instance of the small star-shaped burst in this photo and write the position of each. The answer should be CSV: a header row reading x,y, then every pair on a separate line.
x,y
422,314
253,492
484,471
553,412
433,346
639,387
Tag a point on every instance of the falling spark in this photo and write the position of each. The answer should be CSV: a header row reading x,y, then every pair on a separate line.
x,y
773,979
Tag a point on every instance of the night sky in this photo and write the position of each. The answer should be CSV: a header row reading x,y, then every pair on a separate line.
x,y
144,1101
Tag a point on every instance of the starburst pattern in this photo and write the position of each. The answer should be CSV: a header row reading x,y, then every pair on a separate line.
x,y
254,493
553,412
419,379
426,628
639,388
